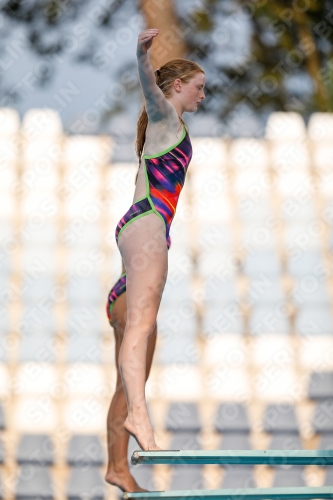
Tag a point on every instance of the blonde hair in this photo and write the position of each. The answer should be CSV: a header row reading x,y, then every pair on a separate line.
x,y
165,76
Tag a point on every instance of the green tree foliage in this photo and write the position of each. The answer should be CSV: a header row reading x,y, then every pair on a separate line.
x,y
291,41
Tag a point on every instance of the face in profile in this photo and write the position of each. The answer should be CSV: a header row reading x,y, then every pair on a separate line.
x,y
191,93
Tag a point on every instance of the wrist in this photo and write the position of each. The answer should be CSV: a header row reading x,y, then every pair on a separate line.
x,y
141,55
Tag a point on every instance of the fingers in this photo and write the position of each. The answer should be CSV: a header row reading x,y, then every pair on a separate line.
x,y
145,38
148,33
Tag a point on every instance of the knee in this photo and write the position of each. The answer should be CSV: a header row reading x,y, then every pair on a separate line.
x,y
142,331
118,324
142,312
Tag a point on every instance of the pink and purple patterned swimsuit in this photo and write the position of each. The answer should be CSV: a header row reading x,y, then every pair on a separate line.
x,y
114,293
165,176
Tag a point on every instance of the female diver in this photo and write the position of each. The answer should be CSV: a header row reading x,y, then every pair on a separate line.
x,y
143,239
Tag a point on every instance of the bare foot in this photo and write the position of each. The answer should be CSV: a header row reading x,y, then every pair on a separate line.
x,y
124,480
143,436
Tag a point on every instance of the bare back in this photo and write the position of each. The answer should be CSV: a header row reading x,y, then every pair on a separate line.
x,y
159,136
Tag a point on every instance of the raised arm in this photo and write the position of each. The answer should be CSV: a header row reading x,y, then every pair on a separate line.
x,y
157,106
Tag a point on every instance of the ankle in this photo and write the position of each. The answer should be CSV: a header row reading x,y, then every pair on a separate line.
x,y
117,469
137,411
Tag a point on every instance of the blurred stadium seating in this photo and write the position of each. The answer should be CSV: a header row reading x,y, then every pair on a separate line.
x,y
244,355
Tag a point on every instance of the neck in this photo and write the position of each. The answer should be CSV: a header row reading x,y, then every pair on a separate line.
x,y
177,105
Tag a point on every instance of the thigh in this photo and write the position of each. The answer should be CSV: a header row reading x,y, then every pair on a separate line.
x,y
143,247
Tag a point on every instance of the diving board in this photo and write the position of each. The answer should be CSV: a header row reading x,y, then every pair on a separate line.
x,y
268,457
289,493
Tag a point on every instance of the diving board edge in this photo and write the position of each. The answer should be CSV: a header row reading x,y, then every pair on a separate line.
x,y
289,493
255,457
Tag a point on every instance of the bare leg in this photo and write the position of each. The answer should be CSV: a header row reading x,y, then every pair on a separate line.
x,y
144,251
118,472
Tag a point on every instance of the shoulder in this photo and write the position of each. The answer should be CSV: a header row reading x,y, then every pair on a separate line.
x,y
170,123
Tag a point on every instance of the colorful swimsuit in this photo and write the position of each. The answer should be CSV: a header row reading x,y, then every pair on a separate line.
x,y
114,293
165,176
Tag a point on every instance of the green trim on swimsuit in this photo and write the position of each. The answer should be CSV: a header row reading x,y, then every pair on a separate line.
x,y
113,303
111,307
170,148
140,199
132,220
